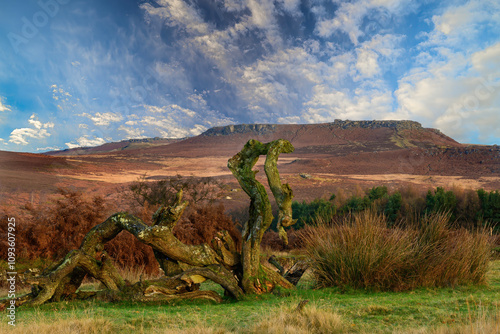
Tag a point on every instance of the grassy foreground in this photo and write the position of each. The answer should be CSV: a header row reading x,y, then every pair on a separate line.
x,y
468,309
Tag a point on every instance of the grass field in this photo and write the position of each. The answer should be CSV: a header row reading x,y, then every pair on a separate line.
x,y
466,309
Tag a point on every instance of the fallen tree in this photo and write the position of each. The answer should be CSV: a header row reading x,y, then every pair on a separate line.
x,y
185,266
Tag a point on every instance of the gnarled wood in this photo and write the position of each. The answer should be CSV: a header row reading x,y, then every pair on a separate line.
x,y
185,265
282,192
255,278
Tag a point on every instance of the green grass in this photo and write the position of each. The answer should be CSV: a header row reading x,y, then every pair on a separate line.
x,y
360,311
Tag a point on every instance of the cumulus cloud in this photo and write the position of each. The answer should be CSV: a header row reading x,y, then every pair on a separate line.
x,y
459,96
328,104
185,66
457,89
20,136
256,73
86,141
458,19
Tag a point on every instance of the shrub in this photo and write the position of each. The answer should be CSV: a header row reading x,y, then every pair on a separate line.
x,y
52,232
272,240
196,190
393,207
490,206
203,222
307,213
362,252
441,200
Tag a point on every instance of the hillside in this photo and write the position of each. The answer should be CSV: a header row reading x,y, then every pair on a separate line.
x,y
337,138
27,171
336,154
115,146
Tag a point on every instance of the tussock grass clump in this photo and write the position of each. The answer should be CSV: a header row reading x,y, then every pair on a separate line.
x,y
40,324
308,320
480,323
361,252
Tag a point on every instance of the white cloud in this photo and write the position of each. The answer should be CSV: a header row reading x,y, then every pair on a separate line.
x,y
459,95
279,83
103,119
3,107
349,16
39,125
50,148
197,129
367,64
234,5
85,141
328,104
457,89
178,13
19,136
487,61
464,25
132,133
291,6
377,50
262,13
465,18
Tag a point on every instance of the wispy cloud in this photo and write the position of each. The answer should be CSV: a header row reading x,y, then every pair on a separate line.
x,y
103,119
177,67
132,133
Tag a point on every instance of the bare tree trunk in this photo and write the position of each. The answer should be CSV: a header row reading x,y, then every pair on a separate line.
x,y
63,280
257,278
185,265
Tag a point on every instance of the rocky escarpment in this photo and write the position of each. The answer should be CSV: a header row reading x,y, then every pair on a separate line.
x,y
264,129
398,125
259,129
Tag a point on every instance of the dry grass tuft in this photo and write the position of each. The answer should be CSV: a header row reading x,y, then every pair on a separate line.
x,y
309,320
361,252
39,324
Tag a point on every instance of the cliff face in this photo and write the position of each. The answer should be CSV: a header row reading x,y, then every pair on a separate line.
x,y
399,125
259,129
265,129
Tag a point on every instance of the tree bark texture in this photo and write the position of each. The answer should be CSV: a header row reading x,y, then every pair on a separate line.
x,y
255,277
185,266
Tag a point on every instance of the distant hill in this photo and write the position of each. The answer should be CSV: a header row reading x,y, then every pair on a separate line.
x,y
361,149
115,146
338,138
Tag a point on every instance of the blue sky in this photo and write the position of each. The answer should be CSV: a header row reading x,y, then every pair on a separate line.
x,y
79,73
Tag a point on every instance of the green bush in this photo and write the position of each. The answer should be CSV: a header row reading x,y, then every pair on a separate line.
x,y
441,200
393,207
490,206
361,252
308,213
